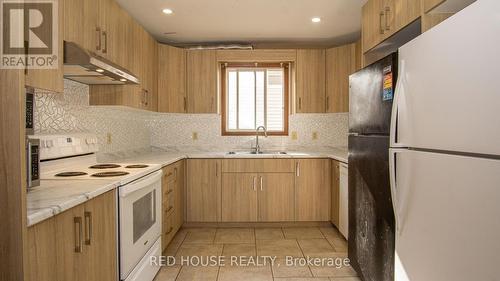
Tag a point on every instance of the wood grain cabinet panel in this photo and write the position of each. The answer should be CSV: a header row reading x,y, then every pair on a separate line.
x,y
276,197
335,193
86,240
72,257
171,79
239,197
201,67
257,166
340,63
203,190
431,4
310,81
41,259
50,79
312,190
172,200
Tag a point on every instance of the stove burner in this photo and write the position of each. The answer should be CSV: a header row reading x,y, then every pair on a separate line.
x,y
70,174
104,166
136,166
110,174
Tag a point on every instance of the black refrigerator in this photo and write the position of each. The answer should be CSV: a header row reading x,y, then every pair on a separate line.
x,y
371,215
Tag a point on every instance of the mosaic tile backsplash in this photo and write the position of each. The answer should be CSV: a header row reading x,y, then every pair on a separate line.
x,y
132,129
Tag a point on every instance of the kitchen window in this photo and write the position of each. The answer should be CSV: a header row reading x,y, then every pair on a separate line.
x,y
254,95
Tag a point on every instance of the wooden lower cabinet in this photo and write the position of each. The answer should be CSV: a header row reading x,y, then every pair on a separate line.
x,y
312,189
239,197
172,203
78,244
276,197
41,259
203,190
335,193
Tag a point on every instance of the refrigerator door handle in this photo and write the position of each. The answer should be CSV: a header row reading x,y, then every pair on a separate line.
x,y
398,95
400,193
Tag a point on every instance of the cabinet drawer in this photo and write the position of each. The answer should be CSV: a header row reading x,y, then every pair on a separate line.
x,y
257,166
169,204
169,174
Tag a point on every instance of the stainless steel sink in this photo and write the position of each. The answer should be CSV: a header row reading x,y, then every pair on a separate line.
x,y
254,153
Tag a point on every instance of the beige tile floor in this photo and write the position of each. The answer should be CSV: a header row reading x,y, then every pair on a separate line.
x,y
295,242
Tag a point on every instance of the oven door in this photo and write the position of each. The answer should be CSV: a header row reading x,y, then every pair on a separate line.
x,y
140,219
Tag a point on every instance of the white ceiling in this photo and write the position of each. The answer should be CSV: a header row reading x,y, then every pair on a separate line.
x,y
266,23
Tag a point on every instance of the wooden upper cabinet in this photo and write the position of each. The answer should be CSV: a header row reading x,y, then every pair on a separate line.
x,y
239,197
50,79
171,79
276,197
340,63
431,4
201,68
382,18
312,189
203,190
310,81
372,24
81,24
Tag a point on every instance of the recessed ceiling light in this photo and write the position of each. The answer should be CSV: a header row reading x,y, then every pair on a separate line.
x,y
99,70
168,11
316,19
123,80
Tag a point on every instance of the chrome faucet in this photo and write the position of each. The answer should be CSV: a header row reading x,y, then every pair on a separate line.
x,y
256,149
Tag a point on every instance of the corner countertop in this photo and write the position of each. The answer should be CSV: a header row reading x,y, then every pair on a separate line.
x,y
55,196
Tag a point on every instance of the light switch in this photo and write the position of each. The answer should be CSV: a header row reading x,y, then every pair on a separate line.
x,y
195,136
109,139
294,135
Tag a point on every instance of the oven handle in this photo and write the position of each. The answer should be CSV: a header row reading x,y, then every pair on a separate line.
x,y
140,184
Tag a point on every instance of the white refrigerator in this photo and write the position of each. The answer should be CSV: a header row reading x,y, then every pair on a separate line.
x,y
445,150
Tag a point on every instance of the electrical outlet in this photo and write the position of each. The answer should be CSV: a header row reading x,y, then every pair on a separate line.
x,y
195,136
294,135
109,138
315,135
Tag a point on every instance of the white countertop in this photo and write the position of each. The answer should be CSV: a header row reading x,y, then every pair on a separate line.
x,y
55,196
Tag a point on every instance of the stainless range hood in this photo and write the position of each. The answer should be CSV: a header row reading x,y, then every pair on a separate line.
x,y
87,67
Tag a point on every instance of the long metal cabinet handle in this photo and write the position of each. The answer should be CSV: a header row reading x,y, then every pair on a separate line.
x,y
381,15
78,231
255,183
216,169
327,103
88,228
300,103
175,173
105,45
261,183
185,104
387,11
297,169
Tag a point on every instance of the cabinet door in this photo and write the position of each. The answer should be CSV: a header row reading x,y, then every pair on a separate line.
x,y
335,193
50,79
276,197
239,197
100,237
310,81
72,257
179,172
203,190
372,26
171,79
81,23
405,12
340,63
312,194
343,200
201,81
41,259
